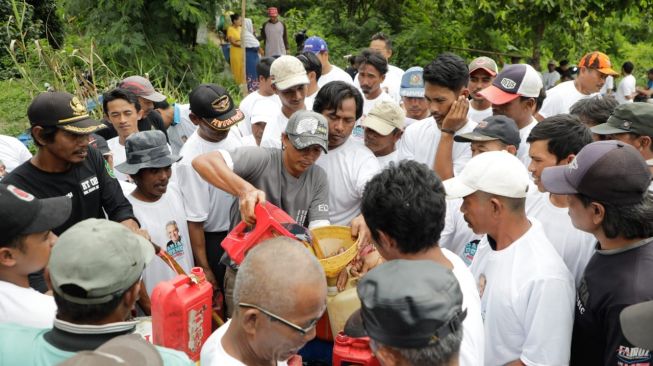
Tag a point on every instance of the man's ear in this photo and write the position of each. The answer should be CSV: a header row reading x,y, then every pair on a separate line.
x,y
568,159
497,206
140,114
511,149
7,257
194,119
598,213
465,92
251,319
131,295
36,133
644,142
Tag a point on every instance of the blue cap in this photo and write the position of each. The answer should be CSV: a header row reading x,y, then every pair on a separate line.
x,y
315,45
412,83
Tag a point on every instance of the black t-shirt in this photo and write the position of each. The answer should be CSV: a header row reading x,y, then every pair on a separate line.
x,y
88,183
613,279
153,121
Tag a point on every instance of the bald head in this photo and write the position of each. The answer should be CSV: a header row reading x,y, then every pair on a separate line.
x,y
276,273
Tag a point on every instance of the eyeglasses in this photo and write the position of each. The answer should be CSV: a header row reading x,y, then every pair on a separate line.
x,y
292,325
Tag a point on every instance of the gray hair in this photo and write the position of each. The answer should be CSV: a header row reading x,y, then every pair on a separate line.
x,y
273,271
441,353
630,221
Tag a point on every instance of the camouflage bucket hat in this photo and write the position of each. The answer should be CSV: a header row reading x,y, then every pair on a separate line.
x,y
146,149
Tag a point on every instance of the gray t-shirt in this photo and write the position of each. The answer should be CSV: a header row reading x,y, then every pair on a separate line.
x,y
305,198
274,43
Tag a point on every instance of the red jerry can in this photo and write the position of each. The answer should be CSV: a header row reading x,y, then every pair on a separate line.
x,y
353,351
269,223
181,313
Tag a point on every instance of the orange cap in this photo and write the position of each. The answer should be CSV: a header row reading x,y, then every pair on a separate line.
x,y
599,61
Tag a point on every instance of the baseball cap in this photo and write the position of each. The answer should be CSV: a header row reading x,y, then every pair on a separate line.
x,y
142,88
384,117
62,110
315,44
484,63
607,171
412,316
634,117
412,83
500,128
551,62
494,172
599,61
287,71
24,214
125,350
213,102
306,128
273,12
637,324
97,259
146,149
518,80
100,144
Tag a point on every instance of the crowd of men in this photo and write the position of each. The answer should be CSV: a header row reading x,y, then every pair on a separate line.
x,y
513,225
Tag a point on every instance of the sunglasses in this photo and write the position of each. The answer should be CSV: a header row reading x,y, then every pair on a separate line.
x,y
273,316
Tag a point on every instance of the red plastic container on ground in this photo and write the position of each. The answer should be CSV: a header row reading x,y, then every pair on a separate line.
x,y
269,223
181,313
353,351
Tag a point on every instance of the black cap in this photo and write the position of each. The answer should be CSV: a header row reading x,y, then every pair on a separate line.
x,y
62,110
413,316
500,128
23,214
213,102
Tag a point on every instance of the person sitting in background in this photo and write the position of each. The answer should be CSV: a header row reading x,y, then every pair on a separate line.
x,y
594,111
26,225
414,325
276,310
95,271
384,126
157,202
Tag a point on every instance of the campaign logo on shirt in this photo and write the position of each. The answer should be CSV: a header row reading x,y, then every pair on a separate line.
x,y
470,252
174,247
90,185
633,356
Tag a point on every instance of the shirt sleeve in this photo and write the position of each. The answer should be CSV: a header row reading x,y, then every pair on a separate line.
x,y
194,191
404,149
549,107
366,170
271,135
543,303
319,207
114,202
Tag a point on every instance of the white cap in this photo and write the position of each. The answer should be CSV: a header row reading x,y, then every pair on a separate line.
x,y
494,172
288,71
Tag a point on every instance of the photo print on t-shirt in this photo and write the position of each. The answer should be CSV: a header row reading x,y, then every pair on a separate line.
x,y
174,247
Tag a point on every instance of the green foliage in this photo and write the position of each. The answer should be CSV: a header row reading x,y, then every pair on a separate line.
x,y
14,99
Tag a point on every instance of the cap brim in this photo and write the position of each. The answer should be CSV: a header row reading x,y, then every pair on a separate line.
x,y
555,180
497,96
411,93
83,127
133,349
354,325
154,97
489,71
292,81
227,120
377,125
53,213
455,188
608,71
162,162
606,129
637,324
303,141
473,136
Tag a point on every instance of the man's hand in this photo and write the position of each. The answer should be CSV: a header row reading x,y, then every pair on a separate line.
x,y
248,201
210,277
457,116
143,233
360,231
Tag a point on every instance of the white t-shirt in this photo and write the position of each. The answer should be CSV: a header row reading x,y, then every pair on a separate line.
x,y
213,354
26,306
385,160
627,86
478,115
392,82
273,130
13,152
349,167
457,235
308,101
527,300
335,74
472,347
178,134
560,98
607,86
250,106
119,157
549,79
420,142
576,247
202,201
524,147
411,121
154,217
